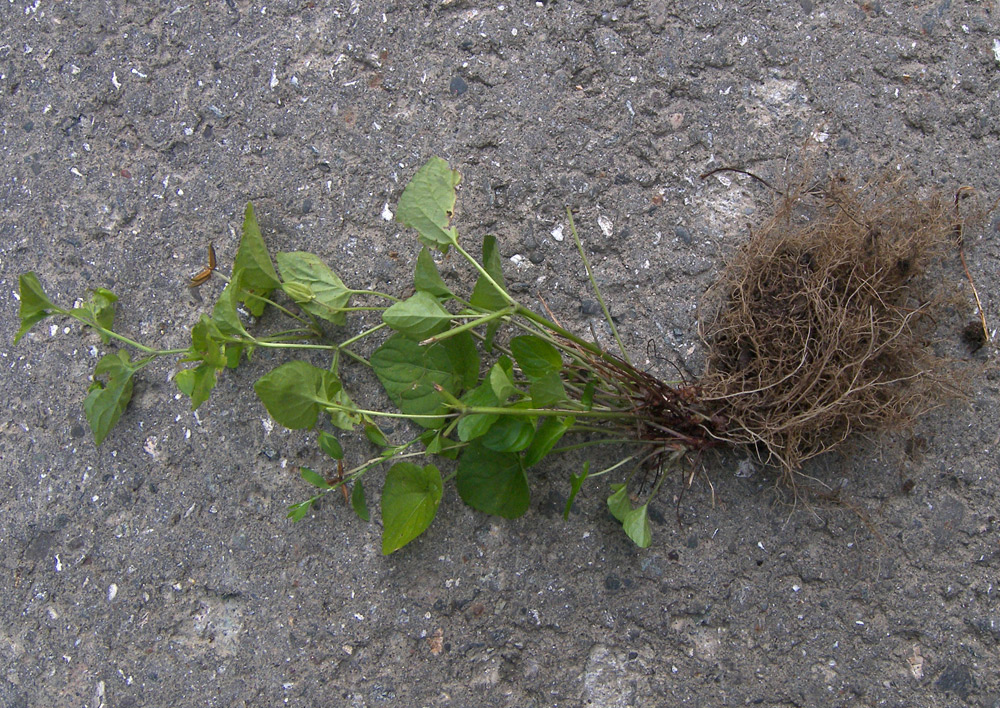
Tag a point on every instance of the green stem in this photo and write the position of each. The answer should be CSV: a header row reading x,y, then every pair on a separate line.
x,y
483,273
597,291
362,335
286,345
336,408
268,301
125,340
376,293
472,324
613,467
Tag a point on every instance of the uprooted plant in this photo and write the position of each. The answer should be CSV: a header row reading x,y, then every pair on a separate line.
x,y
818,328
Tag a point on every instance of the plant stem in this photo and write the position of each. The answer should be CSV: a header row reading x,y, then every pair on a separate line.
x,y
131,342
483,273
472,324
597,291
376,293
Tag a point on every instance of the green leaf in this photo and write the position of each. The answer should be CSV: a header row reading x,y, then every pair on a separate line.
x,y
208,343
549,432
485,294
587,399
306,275
636,525
314,478
410,499
344,419
576,482
502,379
375,435
330,445
510,434
109,394
197,383
493,482
546,390
438,444
634,521
426,278
474,425
408,373
35,305
297,512
428,203
253,271
99,309
464,358
535,356
491,333
420,316
224,314
296,392
618,503
358,502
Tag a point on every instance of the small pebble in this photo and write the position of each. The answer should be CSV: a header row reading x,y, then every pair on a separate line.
x,y
683,234
458,86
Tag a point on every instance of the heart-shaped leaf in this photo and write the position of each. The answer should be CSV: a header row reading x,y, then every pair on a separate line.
x,y
428,203
493,482
410,499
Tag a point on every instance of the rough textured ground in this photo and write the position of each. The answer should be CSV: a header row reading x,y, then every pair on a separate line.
x,y
159,570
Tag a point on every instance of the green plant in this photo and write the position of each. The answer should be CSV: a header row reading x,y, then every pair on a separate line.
x,y
491,386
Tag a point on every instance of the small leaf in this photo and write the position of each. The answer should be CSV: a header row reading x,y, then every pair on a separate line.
x,y
636,525
320,291
344,416
99,309
576,482
618,503
510,434
297,512
485,294
330,445
535,356
358,502
474,425
107,399
492,482
314,478
502,379
35,305
437,444
224,314
375,435
420,316
410,499
491,333
549,432
294,393
208,343
547,390
253,271
426,277
197,383
428,203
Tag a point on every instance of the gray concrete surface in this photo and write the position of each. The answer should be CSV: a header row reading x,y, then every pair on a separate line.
x,y
159,570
